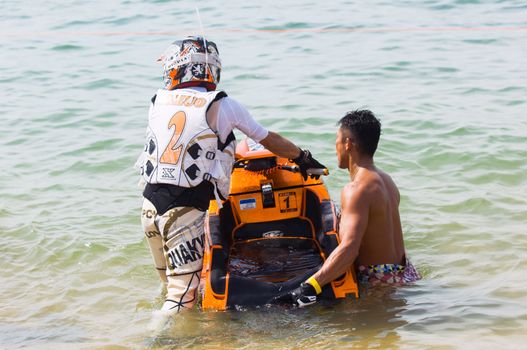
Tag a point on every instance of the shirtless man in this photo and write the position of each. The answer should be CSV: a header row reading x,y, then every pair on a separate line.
x,y
370,226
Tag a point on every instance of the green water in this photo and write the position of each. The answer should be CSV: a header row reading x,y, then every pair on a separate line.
x,y
447,78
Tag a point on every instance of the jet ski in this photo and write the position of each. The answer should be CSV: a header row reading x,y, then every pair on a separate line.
x,y
273,232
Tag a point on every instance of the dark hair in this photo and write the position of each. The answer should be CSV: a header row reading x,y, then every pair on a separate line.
x,y
365,128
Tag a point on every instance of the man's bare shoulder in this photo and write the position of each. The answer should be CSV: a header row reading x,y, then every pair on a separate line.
x,y
359,189
370,181
385,176
388,183
354,188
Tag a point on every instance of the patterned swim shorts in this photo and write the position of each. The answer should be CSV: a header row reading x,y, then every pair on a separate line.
x,y
388,273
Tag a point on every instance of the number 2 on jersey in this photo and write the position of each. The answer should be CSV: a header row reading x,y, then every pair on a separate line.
x,y
172,152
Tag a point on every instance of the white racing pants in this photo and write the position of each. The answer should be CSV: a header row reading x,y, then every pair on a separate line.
x,y
176,240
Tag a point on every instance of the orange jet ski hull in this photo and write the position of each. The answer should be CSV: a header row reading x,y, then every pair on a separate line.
x,y
270,208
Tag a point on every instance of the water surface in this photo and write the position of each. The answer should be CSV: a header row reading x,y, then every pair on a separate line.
x,y
447,77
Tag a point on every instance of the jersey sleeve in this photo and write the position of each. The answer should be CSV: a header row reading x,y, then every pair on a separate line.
x,y
233,115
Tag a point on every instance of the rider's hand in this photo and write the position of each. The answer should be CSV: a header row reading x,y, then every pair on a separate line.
x,y
305,161
304,295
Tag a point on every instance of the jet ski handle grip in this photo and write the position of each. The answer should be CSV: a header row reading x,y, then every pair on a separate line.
x,y
318,171
310,171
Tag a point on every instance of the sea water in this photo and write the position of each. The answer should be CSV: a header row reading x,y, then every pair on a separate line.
x,y
447,78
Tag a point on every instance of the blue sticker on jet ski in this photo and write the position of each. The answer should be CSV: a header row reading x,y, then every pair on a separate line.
x,y
249,203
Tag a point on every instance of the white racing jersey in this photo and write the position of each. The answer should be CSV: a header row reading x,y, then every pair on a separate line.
x,y
181,149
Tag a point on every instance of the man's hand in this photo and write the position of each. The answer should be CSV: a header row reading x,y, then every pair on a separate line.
x,y
303,295
305,161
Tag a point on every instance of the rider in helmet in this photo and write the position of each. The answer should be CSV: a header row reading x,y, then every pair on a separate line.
x,y
187,161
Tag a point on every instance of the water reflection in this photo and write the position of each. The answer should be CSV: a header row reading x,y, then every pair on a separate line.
x,y
371,322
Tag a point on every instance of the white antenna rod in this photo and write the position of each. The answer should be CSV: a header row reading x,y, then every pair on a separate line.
x,y
204,42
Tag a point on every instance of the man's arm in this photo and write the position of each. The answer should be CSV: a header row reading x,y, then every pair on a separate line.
x,y
353,224
223,117
303,158
280,145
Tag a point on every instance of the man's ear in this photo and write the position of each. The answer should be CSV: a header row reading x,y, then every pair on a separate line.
x,y
349,144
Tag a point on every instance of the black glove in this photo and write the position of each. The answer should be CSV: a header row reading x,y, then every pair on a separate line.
x,y
306,161
303,295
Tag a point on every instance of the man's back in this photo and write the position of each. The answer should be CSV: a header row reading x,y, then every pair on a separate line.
x,y
382,242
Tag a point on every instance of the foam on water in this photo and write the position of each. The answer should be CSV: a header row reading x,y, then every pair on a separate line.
x,y
448,79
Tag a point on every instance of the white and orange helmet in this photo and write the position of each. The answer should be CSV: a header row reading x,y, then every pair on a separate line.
x,y
192,61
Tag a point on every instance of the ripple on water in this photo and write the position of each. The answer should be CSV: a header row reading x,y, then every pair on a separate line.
x,y
481,41
101,84
67,47
53,335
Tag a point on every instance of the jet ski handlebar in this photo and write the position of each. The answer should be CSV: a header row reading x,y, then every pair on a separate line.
x,y
263,164
310,171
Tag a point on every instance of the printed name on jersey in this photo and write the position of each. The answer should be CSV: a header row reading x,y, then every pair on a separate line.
x,y
181,100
